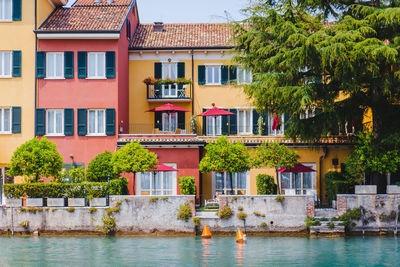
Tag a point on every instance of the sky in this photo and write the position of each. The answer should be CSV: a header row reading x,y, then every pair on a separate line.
x,y
181,11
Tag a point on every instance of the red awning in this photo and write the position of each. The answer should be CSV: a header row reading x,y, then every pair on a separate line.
x,y
215,112
163,168
297,169
168,107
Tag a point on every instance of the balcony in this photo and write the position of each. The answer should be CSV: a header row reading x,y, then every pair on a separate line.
x,y
172,92
150,129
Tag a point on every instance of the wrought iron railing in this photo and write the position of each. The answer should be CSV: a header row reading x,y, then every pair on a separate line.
x,y
149,128
171,91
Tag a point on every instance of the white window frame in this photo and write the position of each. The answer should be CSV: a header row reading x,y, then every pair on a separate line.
x,y
246,71
301,190
3,3
55,65
245,118
213,74
275,132
227,190
2,63
55,122
96,133
169,121
215,131
2,112
308,113
162,190
96,64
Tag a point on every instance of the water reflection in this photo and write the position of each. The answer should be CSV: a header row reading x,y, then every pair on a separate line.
x,y
206,249
240,254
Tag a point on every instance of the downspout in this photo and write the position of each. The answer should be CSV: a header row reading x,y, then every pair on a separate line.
x,y
192,84
36,47
321,159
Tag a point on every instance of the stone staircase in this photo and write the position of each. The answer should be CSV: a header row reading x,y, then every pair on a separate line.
x,y
208,214
325,228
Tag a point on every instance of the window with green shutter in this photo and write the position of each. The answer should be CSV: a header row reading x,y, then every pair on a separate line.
x,y
232,74
158,120
69,64
40,64
158,70
82,121
110,64
16,63
110,121
181,69
265,122
224,74
40,127
82,64
68,121
17,9
201,74
233,121
204,126
225,125
16,119
181,120
256,115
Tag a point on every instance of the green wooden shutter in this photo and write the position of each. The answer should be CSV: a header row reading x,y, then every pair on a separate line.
x,y
233,74
286,122
69,64
82,64
40,64
255,121
233,121
16,119
224,74
110,121
201,74
68,121
158,70
158,120
204,123
17,10
16,63
265,127
181,120
110,64
82,121
40,127
224,126
128,29
181,69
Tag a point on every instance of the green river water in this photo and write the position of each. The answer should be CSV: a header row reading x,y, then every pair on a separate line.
x,y
193,251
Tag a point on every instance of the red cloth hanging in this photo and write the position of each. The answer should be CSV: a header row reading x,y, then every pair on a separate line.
x,y
276,123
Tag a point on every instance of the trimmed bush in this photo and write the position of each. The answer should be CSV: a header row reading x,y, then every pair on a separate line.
x,y
119,186
77,175
187,185
100,167
265,185
225,213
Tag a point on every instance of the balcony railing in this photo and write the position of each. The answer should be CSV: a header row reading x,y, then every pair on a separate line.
x,y
169,92
148,128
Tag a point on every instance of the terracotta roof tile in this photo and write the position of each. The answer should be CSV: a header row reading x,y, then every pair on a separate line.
x,y
100,17
183,35
103,3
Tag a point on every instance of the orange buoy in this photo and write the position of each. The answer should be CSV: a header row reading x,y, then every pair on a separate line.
x,y
240,237
206,232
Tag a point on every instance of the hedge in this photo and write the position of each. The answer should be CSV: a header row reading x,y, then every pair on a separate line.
x,y
63,190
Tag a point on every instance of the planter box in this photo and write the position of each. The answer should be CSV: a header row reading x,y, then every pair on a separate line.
x,y
365,190
55,202
35,202
14,202
393,189
76,202
98,202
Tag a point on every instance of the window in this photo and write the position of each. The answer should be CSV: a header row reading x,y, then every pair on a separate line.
x,y
169,121
213,75
55,65
245,121
54,122
223,183
5,10
279,128
5,120
96,119
157,183
97,65
169,71
5,64
214,125
243,76
308,113
299,182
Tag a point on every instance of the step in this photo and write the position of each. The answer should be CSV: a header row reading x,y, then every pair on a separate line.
x,y
207,214
328,213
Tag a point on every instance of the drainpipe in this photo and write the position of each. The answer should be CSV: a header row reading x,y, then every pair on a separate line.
x,y
192,84
321,159
34,134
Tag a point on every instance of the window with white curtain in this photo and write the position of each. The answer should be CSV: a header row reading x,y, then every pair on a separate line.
x,y
5,10
243,76
245,121
300,182
214,125
97,65
213,75
223,183
5,64
54,65
96,122
5,120
158,183
54,122
169,121
169,71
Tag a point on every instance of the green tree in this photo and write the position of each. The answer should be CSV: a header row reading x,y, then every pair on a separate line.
x,y
77,174
133,158
187,185
274,155
265,185
224,156
100,168
34,159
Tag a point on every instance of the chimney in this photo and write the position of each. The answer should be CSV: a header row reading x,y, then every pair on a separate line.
x,y
158,27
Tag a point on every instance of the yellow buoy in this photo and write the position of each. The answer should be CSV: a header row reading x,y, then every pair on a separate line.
x,y
206,232
240,237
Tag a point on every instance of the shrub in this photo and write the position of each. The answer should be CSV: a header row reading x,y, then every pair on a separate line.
x,y
77,175
184,212
164,198
324,219
225,213
336,183
25,224
193,125
263,224
100,167
119,186
257,214
92,210
311,221
71,209
240,208
108,225
349,216
280,198
265,185
242,216
331,225
153,199
196,221
187,185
